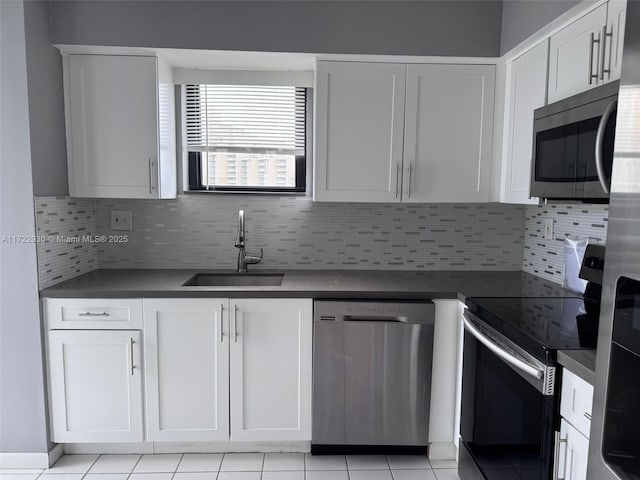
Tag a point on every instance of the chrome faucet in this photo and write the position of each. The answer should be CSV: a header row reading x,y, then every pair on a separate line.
x,y
243,258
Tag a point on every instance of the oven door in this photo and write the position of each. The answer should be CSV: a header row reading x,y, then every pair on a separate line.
x,y
573,152
508,409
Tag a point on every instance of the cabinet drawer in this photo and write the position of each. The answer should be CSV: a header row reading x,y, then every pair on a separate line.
x,y
576,401
90,314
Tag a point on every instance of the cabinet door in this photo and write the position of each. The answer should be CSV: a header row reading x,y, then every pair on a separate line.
x,y
95,384
186,369
112,125
573,453
271,369
448,133
527,91
358,131
573,58
616,15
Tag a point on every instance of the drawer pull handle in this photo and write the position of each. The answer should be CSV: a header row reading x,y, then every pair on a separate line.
x,y
89,314
587,415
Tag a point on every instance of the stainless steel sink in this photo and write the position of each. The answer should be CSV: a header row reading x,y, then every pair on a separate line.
x,y
235,280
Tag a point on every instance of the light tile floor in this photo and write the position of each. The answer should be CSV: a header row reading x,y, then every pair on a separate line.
x,y
239,466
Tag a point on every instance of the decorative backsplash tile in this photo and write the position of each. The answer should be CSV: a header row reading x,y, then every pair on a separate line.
x,y
198,231
545,258
62,226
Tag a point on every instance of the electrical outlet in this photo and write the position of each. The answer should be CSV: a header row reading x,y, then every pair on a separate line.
x,y
548,228
120,220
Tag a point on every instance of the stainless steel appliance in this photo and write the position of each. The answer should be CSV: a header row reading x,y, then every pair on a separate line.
x,y
510,379
614,447
371,376
573,146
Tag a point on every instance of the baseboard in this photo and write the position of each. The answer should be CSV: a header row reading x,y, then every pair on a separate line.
x,y
443,451
31,460
186,447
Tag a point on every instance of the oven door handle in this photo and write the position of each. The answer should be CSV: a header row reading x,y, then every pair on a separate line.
x,y
604,182
500,352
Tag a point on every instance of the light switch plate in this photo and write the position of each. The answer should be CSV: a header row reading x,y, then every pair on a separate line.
x,y
120,220
548,228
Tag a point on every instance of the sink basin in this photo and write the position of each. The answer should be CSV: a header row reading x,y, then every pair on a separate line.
x,y
235,280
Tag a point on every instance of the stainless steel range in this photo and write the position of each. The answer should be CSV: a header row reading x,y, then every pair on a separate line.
x,y
510,377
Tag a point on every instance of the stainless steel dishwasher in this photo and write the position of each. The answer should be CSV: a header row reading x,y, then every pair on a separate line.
x,y
371,376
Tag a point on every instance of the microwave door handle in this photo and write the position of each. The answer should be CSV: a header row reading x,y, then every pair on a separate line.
x,y
500,352
604,182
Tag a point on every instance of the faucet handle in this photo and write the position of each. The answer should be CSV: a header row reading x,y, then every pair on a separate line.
x,y
252,259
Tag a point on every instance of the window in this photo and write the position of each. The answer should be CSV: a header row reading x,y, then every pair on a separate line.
x,y
246,138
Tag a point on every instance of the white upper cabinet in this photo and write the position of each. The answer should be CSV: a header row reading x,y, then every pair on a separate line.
x,y
358,131
526,91
575,55
186,369
95,385
375,145
448,133
271,369
616,14
120,127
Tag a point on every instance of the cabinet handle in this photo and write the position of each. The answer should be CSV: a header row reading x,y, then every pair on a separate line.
x,y
131,352
222,323
409,187
604,53
556,462
235,323
587,416
150,176
592,41
89,314
397,178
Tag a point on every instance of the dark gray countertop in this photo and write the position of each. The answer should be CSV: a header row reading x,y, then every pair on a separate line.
x,y
580,362
148,283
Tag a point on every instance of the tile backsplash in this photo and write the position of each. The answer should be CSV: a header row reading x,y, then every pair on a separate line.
x,y
61,224
198,231
545,258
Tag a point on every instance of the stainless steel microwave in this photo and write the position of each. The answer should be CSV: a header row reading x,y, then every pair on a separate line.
x,y
573,146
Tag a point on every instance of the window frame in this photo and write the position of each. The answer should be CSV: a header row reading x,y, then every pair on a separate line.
x,y
303,163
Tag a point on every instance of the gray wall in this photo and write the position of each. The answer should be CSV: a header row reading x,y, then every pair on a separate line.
x,y
23,426
456,28
522,18
46,104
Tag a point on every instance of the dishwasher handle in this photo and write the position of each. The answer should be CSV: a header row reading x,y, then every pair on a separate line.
x,y
371,318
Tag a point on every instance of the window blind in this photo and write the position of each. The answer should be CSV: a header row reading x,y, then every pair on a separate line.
x,y
246,119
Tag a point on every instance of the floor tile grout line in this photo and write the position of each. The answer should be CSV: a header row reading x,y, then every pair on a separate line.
x,y
178,465
135,465
90,466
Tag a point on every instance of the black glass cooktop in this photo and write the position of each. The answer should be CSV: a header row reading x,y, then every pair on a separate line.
x,y
541,325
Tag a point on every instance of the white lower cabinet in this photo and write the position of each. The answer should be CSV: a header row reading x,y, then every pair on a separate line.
x,y
220,369
95,384
573,453
186,369
271,369
572,446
